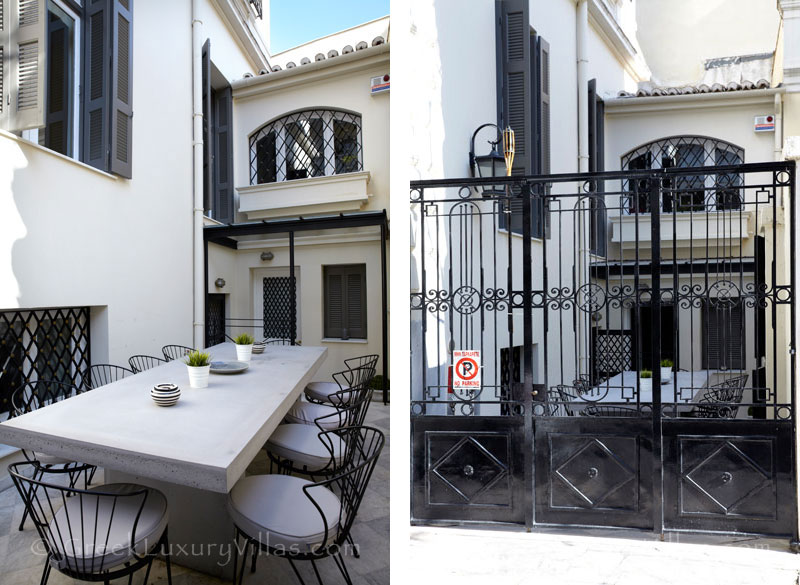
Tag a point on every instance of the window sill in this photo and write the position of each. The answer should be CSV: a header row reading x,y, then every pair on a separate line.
x,y
333,194
33,145
337,340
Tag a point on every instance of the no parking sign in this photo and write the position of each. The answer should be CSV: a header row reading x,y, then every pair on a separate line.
x,y
466,369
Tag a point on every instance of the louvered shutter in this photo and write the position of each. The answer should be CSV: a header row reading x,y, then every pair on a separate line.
x,y
723,336
58,89
208,156
121,88
597,164
334,302
26,62
4,67
96,85
514,89
345,302
223,157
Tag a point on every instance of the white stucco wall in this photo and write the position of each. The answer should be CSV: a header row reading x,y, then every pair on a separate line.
x,y
677,35
74,236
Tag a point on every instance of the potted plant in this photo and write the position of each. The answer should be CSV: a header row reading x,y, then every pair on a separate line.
x,y
198,364
666,370
646,381
244,347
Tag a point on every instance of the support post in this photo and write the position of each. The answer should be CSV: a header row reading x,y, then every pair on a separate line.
x,y
527,344
292,291
384,315
655,348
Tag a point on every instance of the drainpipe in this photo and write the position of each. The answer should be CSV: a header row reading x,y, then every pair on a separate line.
x,y
582,227
198,328
778,148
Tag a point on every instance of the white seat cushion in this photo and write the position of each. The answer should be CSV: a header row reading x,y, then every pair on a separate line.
x,y
305,413
302,445
322,391
275,511
88,549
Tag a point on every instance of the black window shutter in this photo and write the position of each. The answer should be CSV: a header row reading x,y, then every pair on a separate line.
x,y
345,301
223,156
96,84
514,88
57,135
208,156
121,88
597,164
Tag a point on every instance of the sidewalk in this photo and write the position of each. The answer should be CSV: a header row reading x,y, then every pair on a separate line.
x,y
596,557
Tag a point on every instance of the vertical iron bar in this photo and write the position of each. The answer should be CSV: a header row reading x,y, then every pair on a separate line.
x,y
205,289
293,290
793,339
655,335
527,356
384,309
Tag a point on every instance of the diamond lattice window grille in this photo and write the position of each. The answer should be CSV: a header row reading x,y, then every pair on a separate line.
x,y
278,322
42,344
310,143
701,192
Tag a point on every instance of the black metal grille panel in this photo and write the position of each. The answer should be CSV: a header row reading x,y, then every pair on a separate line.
x,y
310,143
215,319
278,308
44,344
613,353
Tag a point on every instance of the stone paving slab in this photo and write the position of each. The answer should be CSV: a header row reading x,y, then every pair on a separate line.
x,y
595,557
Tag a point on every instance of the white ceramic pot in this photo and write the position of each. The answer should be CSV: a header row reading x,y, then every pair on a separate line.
x,y
198,376
646,385
244,352
666,375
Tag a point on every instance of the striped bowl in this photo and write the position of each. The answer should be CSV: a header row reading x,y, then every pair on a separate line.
x,y
165,394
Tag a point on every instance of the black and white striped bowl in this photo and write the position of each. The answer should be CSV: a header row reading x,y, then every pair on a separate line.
x,y
165,394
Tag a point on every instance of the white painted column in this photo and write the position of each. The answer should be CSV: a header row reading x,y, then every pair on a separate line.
x,y
197,171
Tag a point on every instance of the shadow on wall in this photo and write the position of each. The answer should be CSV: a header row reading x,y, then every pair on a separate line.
x,y
12,227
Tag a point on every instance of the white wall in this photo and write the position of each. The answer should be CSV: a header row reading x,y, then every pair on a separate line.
x,y
74,236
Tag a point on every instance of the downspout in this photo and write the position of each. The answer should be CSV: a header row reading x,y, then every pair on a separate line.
x,y
198,337
778,148
582,227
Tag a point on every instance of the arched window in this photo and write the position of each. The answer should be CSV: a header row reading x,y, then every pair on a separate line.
x,y
309,143
699,192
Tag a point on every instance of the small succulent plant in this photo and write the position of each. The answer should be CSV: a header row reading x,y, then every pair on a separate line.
x,y
644,374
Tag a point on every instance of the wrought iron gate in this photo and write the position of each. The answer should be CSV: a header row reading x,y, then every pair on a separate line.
x,y
575,421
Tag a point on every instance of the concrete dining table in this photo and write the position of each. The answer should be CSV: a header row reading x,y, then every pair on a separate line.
x,y
194,451
623,388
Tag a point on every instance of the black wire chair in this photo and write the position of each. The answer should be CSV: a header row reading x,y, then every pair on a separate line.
x,y
609,410
301,448
175,352
560,398
32,396
359,368
141,362
94,535
102,374
335,500
721,400
322,413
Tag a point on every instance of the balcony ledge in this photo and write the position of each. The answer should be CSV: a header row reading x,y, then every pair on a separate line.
x,y
333,194
689,227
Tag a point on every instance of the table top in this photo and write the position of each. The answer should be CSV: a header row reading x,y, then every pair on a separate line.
x,y
622,388
205,441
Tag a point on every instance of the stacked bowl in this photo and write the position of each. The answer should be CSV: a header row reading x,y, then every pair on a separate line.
x,y
165,394
258,347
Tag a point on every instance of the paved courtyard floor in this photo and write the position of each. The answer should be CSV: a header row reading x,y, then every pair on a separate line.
x,y
596,557
21,562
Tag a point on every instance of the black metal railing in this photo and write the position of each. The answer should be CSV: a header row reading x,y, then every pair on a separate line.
x,y
42,344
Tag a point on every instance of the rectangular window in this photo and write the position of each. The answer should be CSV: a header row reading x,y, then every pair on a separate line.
x,y
723,335
345,301
53,48
305,150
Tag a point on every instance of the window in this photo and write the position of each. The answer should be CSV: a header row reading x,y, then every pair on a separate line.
x,y
723,334
310,143
345,301
78,45
701,192
523,87
217,141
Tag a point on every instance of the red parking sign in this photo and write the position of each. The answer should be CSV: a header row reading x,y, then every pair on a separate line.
x,y
467,369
